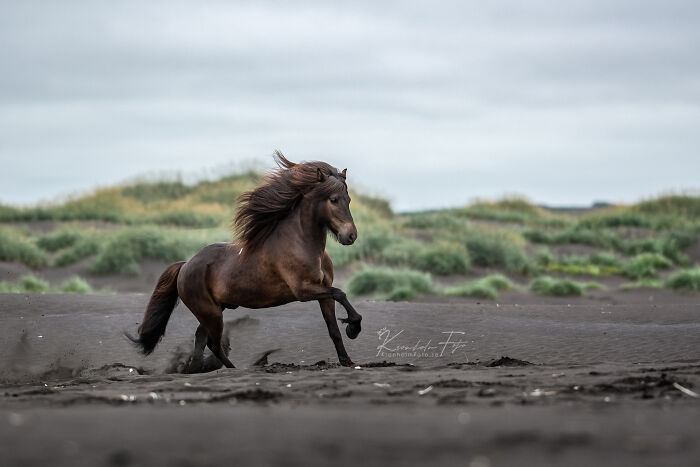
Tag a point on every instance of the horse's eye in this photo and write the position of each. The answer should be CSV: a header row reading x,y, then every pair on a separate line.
x,y
334,200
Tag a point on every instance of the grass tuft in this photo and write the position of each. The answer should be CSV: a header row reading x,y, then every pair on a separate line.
x,y
30,283
642,284
75,285
443,259
122,253
390,284
14,246
486,287
686,280
645,266
497,249
546,285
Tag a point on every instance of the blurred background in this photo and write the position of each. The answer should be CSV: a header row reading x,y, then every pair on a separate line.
x,y
477,138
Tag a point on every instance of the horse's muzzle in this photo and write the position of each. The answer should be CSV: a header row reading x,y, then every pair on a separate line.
x,y
347,237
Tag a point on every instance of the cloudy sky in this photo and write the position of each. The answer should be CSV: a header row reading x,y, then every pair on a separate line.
x,y
429,103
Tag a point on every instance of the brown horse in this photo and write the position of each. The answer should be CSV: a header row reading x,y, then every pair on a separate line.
x,y
280,257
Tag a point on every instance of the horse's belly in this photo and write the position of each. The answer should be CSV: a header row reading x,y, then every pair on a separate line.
x,y
256,294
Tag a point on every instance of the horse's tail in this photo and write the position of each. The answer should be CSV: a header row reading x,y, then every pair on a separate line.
x,y
159,309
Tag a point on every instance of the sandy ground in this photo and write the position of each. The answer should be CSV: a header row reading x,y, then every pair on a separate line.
x,y
585,382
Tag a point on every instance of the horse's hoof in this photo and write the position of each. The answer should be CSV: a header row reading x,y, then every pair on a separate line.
x,y
353,330
346,362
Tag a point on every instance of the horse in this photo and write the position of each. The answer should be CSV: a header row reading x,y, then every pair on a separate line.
x,y
278,256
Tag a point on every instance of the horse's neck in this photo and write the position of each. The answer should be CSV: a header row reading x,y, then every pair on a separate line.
x,y
303,224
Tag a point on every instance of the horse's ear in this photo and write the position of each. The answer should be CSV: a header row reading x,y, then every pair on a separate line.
x,y
344,172
321,176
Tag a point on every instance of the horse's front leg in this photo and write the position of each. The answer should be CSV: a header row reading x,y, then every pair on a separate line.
x,y
306,291
328,310
353,320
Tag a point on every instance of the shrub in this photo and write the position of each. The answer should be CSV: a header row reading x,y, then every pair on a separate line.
x,y
642,283
544,257
370,243
58,239
75,285
149,192
496,249
594,286
86,246
32,284
16,247
592,265
9,287
390,284
122,253
486,287
679,205
605,259
379,205
442,259
443,220
183,219
474,289
401,252
645,266
29,283
688,280
546,285
670,245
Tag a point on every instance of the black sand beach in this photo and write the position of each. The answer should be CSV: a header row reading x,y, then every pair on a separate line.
x,y
435,383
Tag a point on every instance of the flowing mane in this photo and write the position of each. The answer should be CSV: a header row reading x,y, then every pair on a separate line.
x,y
261,209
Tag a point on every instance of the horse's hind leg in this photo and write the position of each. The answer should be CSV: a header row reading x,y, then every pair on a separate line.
x,y
211,319
215,329
196,360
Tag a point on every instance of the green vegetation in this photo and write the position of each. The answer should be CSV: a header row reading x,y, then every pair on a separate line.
x,y
497,248
390,284
669,244
123,252
58,239
596,264
75,285
113,230
680,206
83,248
447,220
370,243
15,246
30,283
441,258
546,285
646,266
486,287
685,280
642,284
513,210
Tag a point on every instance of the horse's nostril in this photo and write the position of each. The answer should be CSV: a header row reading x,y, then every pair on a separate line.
x,y
352,237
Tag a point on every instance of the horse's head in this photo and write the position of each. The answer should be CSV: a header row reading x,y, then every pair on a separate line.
x,y
333,206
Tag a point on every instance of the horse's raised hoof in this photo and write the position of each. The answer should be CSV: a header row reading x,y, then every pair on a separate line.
x,y
353,330
353,327
346,362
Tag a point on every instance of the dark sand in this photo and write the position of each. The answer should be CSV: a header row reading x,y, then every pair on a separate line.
x,y
586,383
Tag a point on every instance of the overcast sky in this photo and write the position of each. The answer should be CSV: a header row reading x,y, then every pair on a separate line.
x,y
429,103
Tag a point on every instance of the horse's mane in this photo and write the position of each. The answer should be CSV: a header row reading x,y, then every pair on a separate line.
x,y
261,209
